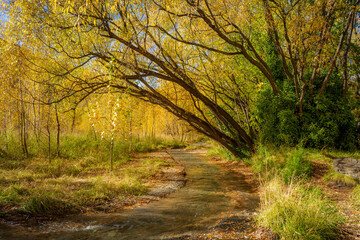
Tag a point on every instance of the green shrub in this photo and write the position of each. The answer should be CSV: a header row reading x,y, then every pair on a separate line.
x,y
296,212
328,122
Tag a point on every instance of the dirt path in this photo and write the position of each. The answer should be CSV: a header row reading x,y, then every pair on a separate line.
x,y
237,223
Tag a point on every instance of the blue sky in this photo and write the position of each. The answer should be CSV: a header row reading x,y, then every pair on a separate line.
x,y
3,18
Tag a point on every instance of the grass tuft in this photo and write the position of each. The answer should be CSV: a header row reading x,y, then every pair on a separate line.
x,y
296,212
296,166
355,196
43,204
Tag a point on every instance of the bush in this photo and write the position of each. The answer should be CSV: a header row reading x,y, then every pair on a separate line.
x,y
328,122
296,212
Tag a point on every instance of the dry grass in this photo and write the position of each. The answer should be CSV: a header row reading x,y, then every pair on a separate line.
x,y
297,212
70,185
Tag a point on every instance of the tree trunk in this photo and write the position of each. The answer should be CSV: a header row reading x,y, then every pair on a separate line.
x,y
23,122
57,132
49,136
345,59
130,127
5,134
73,121
111,152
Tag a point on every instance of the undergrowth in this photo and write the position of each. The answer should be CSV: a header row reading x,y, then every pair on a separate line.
x,y
289,206
296,212
79,178
289,164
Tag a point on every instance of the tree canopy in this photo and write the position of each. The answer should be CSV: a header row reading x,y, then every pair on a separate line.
x,y
279,71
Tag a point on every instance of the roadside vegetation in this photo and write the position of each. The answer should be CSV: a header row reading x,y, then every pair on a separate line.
x,y
80,180
301,196
356,196
294,211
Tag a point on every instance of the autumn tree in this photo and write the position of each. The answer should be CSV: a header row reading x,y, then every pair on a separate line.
x,y
220,53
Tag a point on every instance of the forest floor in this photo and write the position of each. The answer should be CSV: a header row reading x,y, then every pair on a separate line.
x,y
243,225
145,178
34,192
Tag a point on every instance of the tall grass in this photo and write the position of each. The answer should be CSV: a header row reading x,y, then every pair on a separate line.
x,y
289,163
78,145
296,166
289,207
218,150
296,212
355,196
43,204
